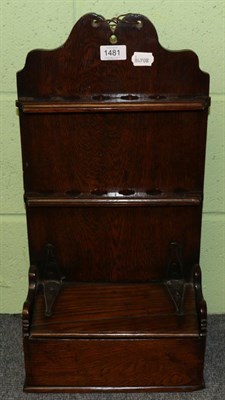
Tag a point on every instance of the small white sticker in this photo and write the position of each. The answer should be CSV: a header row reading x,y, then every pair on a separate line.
x,y
142,59
113,53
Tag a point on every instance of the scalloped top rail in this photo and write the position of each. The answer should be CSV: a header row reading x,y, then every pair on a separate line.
x,y
121,55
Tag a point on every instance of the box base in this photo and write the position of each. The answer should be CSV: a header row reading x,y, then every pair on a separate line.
x,y
114,338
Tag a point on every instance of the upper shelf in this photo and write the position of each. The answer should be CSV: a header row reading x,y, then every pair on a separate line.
x,y
114,103
127,197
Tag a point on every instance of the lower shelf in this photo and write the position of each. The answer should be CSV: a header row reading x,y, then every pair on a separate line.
x,y
118,310
114,337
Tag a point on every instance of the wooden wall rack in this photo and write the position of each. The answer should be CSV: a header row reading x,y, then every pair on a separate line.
x,y
113,161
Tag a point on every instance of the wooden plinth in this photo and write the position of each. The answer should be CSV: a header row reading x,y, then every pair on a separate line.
x,y
115,337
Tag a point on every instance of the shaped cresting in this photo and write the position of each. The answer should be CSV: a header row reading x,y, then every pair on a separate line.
x,y
78,69
113,134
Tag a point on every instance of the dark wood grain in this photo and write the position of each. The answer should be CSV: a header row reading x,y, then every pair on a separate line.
x,y
121,243
102,151
78,69
115,310
136,363
113,166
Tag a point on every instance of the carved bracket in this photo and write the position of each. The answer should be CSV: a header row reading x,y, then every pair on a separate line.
x,y
27,307
175,283
200,302
51,279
